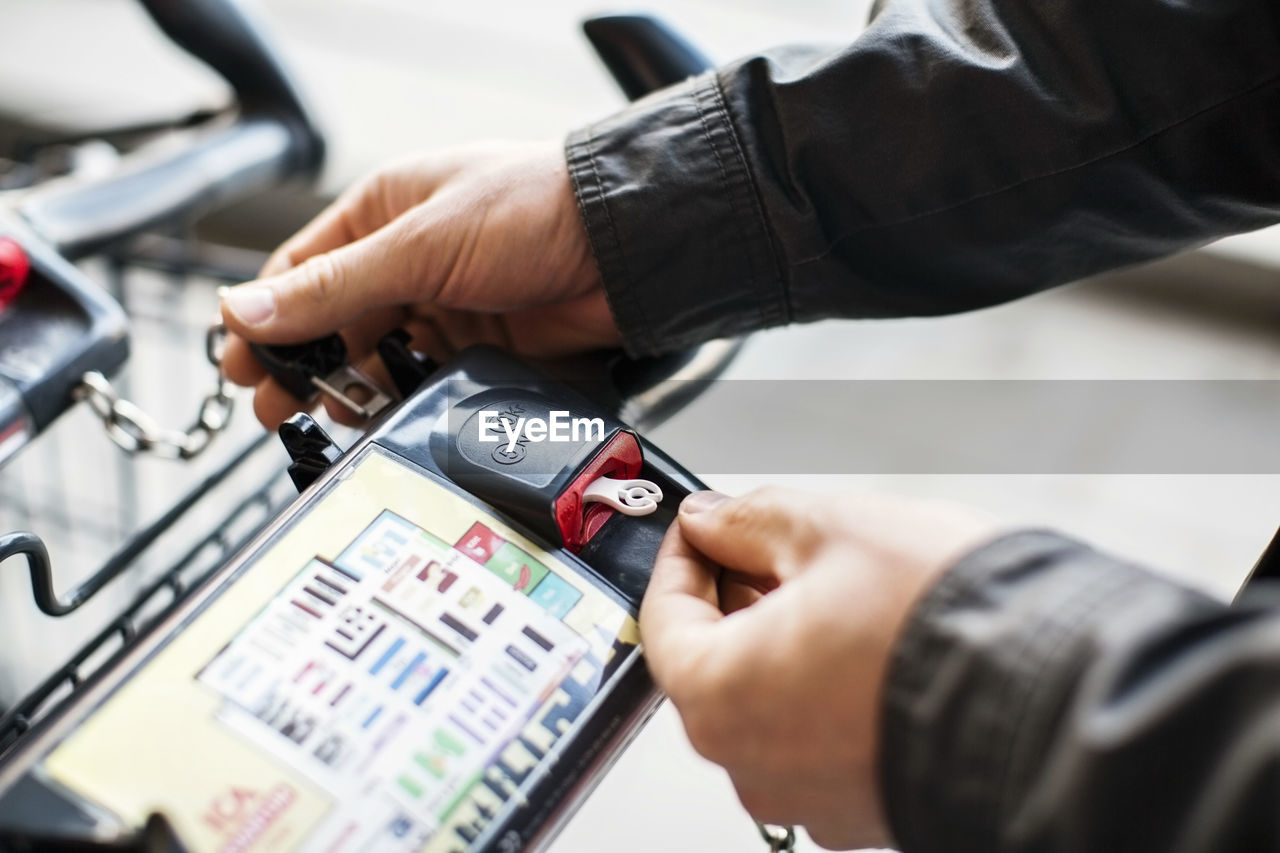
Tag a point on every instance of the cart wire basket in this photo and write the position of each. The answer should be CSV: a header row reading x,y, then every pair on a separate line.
x,y
126,537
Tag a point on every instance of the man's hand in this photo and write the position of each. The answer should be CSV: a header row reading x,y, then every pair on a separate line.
x,y
482,244
770,620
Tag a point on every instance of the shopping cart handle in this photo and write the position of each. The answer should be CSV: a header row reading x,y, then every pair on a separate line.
x,y
222,34
642,53
78,218
274,138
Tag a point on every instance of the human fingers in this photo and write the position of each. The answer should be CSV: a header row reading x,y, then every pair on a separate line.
x,y
680,605
764,536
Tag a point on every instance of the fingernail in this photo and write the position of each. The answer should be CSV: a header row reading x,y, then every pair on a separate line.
x,y
253,304
701,502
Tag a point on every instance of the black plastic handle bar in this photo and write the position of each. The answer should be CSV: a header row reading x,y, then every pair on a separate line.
x,y
273,138
642,53
223,34
1268,565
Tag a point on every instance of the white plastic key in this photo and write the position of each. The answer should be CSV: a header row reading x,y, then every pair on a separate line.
x,y
629,497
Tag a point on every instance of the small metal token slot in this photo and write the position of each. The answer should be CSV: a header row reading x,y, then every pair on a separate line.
x,y
344,380
322,365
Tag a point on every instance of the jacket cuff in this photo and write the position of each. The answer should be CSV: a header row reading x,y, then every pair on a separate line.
x,y
982,672
675,221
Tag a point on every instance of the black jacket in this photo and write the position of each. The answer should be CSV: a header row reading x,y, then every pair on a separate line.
x,y
958,154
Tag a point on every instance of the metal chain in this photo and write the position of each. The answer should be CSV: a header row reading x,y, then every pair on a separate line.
x,y
781,839
137,432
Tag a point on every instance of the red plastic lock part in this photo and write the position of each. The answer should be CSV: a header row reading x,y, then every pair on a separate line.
x,y
15,266
621,459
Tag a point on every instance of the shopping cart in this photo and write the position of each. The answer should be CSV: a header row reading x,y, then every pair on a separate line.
x,y
177,502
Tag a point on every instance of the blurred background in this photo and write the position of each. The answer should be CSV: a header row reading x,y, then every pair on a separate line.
x,y
388,77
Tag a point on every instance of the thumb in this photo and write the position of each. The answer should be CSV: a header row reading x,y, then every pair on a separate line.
x,y
325,293
680,608
765,534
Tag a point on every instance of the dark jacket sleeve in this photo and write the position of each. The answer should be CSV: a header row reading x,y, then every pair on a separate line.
x,y
1045,697
959,153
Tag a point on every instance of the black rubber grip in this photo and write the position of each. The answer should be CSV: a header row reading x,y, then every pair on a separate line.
x,y
294,365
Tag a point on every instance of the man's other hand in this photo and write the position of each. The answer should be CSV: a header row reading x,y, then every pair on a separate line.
x,y
483,244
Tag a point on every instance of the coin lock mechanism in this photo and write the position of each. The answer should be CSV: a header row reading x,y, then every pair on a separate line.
x,y
562,472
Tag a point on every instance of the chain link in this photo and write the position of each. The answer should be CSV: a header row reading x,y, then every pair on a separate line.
x,y
136,432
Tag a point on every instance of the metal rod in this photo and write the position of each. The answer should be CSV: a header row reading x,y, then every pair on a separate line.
x,y
30,545
16,720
